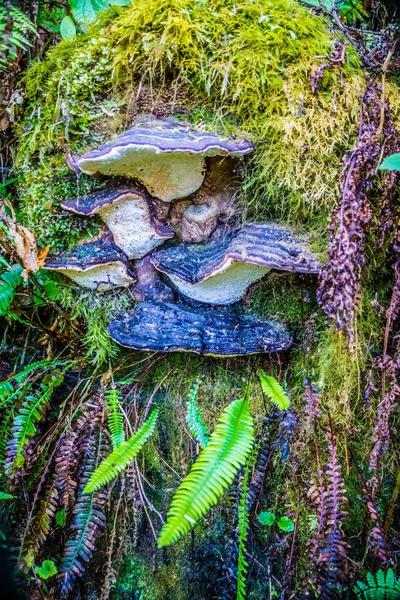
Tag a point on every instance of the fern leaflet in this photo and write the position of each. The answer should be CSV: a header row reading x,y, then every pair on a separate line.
x,y
120,458
6,496
212,473
195,422
115,417
381,586
275,392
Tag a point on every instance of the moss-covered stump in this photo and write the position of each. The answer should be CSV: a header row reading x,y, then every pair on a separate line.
x,y
240,70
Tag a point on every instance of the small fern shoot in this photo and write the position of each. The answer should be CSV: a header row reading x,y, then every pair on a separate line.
x,y
120,458
212,473
113,400
194,420
381,586
275,392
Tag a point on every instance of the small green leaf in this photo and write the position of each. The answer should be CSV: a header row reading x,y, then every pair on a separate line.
x,y
61,517
267,518
391,163
47,570
86,11
5,496
67,29
119,2
286,524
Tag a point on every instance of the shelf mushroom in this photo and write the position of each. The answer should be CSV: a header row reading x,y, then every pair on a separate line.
x,y
219,272
166,156
129,215
98,265
168,327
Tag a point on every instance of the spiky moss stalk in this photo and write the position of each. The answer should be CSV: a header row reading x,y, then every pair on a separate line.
x,y
96,311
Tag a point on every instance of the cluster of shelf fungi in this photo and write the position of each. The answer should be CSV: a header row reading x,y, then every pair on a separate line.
x,y
183,197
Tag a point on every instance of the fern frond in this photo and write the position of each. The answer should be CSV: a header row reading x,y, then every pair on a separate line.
x,y
7,389
275,392
243,529
9,281
381,586
120,458
24,425
212,473
88,522
113,400
194,420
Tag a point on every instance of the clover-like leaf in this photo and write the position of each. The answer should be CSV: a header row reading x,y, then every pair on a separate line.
x,y
47,569
267,518
286,524
391,163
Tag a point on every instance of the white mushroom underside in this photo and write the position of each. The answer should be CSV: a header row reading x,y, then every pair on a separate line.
x,y
129,222
227,287
101,277
166,175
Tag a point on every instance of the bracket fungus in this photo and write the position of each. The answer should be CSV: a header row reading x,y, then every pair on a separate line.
x,y
98,265
167,157
168,327
219,272
130,216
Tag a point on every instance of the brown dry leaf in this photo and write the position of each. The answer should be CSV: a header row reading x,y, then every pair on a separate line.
x,y
42,256
24,242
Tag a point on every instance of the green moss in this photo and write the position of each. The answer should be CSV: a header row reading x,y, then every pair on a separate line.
x,y
97,311
42,188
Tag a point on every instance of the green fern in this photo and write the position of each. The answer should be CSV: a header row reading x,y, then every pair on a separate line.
x,y
9,281
120,458
243,528
195,422
14,37
87,523
381,586
275,392
115,416
24,424
8,390
212,473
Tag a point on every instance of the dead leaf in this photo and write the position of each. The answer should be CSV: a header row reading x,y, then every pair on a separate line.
x,y
23,241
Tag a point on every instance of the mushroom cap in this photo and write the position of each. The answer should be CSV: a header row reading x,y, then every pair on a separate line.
x,y
219,272
167,157
99,264
93,203
129,214
168,327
